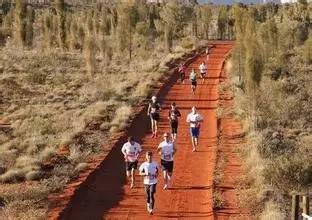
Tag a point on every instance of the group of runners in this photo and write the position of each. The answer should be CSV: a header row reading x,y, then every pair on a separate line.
x,y
166,149
193,75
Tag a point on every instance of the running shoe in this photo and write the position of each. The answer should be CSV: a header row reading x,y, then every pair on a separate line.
x,y
165,187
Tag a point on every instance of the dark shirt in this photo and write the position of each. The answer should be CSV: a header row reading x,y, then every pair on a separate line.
x,y
174,114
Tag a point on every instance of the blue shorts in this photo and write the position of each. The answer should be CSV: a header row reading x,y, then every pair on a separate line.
x,y
194,132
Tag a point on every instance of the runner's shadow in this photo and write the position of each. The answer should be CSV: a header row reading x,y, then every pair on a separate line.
x,y
190,188
185,214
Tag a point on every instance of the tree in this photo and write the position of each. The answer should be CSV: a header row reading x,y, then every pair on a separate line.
x,y
173,18
47,29
90,52
239,18
29,25
308,50
253,64
60,9
127,19
172,14
222,22
206,19
20,22
168,37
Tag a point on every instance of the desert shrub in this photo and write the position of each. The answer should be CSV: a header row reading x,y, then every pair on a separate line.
x,y
34,175
46,154
36,77
120,119
81,166
272,147
187,43
307,52
272,211
13,175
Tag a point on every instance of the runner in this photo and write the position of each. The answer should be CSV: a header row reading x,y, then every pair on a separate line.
x,y
131,151
149,170
207,53
166,149
153,112
174,113
182,70
203,70
193,78
194,119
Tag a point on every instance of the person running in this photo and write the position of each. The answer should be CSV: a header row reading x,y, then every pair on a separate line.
x,y
194,119
207,53
193,78
203,70
149,169
166,149
153,112
131,151
182,70
173,116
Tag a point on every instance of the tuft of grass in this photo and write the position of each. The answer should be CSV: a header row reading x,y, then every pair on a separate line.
x,y
81,167
34,175
26,160
218,202
120,119
47,154
272,212
13,175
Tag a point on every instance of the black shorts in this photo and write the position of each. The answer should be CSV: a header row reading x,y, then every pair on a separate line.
x,y
182,76
167,165
150,188
174,127
194,83
155,116
131,165
203,74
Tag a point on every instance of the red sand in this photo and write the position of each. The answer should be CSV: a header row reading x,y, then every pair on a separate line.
x,y
104,194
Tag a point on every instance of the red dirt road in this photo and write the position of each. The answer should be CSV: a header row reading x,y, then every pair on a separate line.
x,y
105,194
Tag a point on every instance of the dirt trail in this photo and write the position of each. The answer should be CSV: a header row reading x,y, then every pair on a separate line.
x,y
105,195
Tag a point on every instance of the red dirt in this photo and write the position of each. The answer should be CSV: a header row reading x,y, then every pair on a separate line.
x,y
104,195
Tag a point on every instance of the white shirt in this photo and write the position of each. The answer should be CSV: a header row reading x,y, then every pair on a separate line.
x,y
202,68
194,119
131,152
167,150
150,169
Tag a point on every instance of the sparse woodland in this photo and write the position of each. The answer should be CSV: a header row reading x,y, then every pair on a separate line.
x,y
271,66
71,74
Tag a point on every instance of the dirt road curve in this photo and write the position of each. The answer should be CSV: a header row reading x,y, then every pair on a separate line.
x,y
106,196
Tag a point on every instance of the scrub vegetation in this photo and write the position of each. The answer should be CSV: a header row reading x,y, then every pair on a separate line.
x,y
72,71
271,66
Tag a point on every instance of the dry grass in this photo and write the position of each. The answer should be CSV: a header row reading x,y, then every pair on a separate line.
x,y
277,157
52,103
272,212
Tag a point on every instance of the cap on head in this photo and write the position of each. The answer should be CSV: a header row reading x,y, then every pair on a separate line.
x,y
154,98
149,153
173,104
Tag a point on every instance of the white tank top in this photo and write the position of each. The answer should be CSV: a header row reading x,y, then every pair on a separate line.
x,y
166,150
